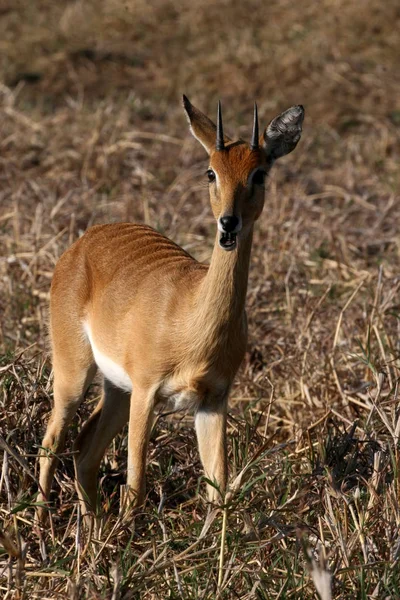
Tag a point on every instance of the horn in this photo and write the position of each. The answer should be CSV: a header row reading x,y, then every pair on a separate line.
x,y
219,145
254,139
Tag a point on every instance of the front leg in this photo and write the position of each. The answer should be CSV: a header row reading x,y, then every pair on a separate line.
x,y
140,422
210,425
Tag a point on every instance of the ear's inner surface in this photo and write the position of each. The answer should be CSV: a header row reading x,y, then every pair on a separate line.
x,y
283,133
280,137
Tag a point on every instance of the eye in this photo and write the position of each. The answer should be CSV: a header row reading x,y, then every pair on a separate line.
x,y
258,177
210,175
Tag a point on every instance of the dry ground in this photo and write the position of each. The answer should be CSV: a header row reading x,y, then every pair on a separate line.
x,y
91,131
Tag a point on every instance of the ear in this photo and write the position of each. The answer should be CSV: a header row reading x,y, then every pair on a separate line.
x,y
201,126
283,133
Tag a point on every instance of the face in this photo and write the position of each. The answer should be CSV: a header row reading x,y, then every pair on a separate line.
x,y
237,171
236,178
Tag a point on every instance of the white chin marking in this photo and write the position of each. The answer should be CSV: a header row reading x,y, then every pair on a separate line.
x,y
110,369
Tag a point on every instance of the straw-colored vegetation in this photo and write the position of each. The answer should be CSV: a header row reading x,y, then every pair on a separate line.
x,y
92,131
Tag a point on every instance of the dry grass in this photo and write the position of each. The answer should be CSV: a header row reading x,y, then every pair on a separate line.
x,y
91,131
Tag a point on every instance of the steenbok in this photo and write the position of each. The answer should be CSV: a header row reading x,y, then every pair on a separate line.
x,y
159,325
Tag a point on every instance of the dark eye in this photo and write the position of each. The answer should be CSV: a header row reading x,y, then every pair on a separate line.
x,y
258,177
211,175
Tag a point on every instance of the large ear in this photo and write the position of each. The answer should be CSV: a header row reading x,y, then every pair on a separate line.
x,y
201,126
283,133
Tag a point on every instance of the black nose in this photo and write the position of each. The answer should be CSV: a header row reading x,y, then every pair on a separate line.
x,y
229,224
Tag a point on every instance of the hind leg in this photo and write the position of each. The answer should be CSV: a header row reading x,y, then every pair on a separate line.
x,y
108,418
74,369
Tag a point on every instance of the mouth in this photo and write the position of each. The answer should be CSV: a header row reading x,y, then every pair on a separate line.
x,y
227,241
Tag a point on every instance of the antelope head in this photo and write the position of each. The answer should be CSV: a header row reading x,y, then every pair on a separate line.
x,y
237,170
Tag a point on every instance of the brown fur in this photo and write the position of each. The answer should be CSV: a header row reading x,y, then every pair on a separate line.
x,y
177,328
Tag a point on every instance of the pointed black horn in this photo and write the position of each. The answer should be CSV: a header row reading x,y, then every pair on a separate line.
x,y
219,145
254,139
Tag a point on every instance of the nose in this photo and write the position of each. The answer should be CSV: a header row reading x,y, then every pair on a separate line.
x,y
229,224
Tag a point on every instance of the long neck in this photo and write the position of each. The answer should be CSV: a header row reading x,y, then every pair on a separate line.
x,y
221,295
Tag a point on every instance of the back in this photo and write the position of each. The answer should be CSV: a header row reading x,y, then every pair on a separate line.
x,y
114,261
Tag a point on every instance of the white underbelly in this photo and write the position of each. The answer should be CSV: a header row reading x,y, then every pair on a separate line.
x,y
110,369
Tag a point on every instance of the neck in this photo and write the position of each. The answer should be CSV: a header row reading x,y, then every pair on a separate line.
x,y
221,296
